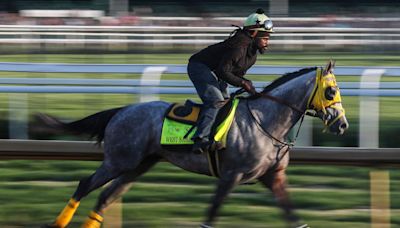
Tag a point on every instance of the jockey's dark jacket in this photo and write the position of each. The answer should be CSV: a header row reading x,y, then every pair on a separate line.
x,y
231,58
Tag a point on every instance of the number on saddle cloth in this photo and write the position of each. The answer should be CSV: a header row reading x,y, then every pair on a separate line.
x,y
180,122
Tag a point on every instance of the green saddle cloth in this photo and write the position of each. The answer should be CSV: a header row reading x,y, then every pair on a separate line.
x,y
180,131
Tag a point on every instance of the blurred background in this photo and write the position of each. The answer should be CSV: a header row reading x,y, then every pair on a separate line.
x,y
73,58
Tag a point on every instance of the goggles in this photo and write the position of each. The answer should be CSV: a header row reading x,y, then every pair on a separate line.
x,y
267,25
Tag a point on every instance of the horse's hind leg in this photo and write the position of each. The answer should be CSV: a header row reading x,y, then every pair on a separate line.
x,y
276,181
225,185
102,175
118,187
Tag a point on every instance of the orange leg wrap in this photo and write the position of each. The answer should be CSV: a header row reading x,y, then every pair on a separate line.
x,y
94,220
66,215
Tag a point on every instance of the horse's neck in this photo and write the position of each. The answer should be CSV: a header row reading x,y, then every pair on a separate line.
x,y
279,118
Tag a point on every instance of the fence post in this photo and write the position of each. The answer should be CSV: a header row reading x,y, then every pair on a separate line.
x,y
151,77
380,199
113,215
369,109
18,116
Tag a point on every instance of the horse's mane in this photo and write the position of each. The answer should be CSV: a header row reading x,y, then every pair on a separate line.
x,y
287,77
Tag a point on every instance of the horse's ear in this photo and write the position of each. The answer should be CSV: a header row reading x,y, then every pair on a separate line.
x,y
329,66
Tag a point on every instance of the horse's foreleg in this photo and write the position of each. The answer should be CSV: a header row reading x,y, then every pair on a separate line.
x,y
276,181
224,187
117,188
86,185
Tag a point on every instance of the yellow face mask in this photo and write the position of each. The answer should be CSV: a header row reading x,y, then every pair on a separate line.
x,y
326,94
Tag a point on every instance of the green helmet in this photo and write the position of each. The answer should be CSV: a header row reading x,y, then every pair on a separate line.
x,y
259,21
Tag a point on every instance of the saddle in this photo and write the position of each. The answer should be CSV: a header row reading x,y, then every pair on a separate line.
x,y
180,123
184,113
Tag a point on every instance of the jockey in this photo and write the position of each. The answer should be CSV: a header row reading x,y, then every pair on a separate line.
x,y
216,66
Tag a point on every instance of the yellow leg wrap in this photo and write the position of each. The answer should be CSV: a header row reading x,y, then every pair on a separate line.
x,y
93,221
66,215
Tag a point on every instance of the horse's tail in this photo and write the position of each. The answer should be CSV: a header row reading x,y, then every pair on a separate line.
x,y
93,125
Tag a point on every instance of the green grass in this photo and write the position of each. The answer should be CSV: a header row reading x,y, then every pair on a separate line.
x,y
33,192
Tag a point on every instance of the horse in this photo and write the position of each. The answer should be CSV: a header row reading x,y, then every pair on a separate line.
x,y
256,149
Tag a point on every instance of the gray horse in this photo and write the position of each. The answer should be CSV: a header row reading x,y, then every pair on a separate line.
x,y
255,150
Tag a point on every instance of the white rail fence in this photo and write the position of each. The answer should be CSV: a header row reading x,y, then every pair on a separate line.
x,y
149,86
194,35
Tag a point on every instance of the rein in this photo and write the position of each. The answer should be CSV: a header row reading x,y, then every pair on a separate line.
x,y
280,101
282,144
259,125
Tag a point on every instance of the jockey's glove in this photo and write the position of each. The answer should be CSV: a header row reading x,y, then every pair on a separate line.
x,y
248,86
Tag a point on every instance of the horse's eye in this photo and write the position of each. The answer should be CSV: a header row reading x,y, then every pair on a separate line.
x,y
330,92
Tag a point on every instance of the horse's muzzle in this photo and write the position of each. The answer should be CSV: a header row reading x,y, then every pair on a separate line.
x,y
334,119
339,126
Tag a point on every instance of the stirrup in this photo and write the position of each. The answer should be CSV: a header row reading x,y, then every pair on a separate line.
x,y
201,147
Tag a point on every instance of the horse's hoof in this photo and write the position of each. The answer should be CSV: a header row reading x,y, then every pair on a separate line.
x,y
205,226
303,226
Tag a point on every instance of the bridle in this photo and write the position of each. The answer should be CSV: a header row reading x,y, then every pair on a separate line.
x,y
310,111
314,101
318,101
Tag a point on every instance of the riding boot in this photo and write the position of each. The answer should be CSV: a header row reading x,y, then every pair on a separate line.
x,y
202,136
